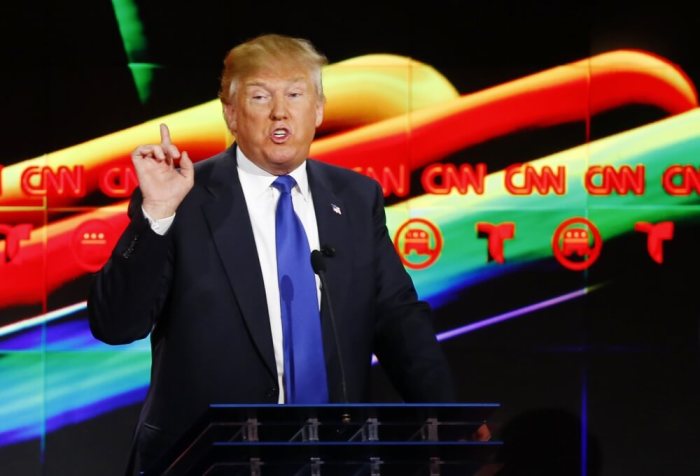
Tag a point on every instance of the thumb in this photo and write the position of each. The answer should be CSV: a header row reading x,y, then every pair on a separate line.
x,y
186,166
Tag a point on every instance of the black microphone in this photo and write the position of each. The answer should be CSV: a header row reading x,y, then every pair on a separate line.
x,y
318,264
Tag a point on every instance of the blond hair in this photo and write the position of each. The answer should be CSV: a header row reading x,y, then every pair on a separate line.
x,y
265,51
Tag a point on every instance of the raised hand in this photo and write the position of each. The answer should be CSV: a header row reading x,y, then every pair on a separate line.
x,y
163,185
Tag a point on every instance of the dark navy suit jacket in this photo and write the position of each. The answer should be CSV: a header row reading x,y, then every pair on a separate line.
x,y
198,290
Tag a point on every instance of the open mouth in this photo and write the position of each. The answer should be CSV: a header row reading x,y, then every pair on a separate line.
x,y
280,135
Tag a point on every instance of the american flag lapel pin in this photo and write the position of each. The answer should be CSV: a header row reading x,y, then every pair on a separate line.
x,y
336,209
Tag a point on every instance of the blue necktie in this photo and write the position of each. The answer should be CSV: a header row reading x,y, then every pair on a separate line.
x,y
304,364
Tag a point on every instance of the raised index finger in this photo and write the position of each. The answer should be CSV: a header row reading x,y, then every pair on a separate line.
x,y
165,135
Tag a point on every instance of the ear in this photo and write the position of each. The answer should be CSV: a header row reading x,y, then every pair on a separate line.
x,y
320,104
231,116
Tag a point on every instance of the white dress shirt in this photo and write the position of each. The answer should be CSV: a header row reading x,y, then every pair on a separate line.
x,y
261,200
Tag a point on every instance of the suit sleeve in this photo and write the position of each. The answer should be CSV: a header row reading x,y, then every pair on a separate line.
x,y
127,295
405,340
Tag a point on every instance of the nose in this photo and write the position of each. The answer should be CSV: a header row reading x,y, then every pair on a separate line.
x,y
279,109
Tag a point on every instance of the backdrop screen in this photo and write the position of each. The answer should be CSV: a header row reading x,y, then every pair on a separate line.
x,y
541,171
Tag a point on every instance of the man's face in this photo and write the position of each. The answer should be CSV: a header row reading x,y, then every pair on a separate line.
x,y
274,115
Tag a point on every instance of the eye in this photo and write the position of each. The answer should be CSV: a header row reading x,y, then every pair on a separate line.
x,y
259,96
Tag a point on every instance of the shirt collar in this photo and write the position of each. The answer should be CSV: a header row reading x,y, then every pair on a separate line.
x,y
261,180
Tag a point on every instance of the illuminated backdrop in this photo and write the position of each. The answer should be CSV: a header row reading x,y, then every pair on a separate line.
x,y
550,216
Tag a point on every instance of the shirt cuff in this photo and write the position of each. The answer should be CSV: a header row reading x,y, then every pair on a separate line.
x,y
160,226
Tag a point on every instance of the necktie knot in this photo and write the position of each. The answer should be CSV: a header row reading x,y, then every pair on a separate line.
x,y
284,183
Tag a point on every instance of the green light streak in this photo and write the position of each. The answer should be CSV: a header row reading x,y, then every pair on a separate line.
x,y
143,79
135,46
64,380
101,374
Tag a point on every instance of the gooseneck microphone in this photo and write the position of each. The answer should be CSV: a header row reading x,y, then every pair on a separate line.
x,y
318,264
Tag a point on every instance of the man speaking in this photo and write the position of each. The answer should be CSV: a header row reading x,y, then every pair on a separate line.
x,y
215,265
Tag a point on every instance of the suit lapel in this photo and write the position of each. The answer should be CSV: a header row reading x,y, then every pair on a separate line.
x,y
333,232
229,223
